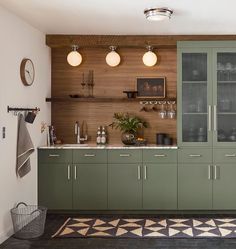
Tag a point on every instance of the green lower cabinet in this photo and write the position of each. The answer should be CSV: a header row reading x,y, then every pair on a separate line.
x,y
90,187
224,187
124,187
160,186
55,186
194,187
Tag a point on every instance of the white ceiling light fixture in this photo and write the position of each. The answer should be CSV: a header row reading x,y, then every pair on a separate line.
x,y
149,58
113,58
158,14
74,58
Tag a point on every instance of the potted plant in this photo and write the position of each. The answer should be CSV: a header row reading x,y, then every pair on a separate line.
x,y
128,125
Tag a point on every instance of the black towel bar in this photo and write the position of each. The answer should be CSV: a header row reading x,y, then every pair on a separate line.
x,y
16,109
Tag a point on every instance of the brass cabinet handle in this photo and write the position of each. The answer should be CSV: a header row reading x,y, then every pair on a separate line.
x,y
215,118
75,168
195,155
209,118
230,155
89,155
68,172
124,155
139,173
145,172
53,155
160,155
209,172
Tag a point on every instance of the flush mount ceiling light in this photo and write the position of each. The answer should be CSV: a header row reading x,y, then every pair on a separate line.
x,y
158,14
149,58
113,58
74,58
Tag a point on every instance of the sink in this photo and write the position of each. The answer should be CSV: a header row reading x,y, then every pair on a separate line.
x,y
75,145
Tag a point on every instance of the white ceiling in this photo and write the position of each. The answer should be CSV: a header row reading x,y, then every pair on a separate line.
x,y
125,16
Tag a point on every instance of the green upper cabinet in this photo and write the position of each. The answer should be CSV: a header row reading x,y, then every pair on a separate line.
x,y
224,92
206,93
194,97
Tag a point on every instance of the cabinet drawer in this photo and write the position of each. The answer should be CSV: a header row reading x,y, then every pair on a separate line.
x,y
224,155
125,156
158,155
55,156
90,156
195,155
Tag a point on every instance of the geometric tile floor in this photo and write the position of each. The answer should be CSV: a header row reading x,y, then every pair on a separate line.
x,y
147,228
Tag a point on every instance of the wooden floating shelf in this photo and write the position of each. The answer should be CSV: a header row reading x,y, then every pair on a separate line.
x,y
105,99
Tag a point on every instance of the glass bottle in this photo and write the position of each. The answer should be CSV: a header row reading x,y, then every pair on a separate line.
x,y
98,140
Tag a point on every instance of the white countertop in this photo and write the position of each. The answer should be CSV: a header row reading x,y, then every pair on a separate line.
x,y
94,146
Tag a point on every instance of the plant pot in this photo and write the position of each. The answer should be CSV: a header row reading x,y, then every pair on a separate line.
x,y
128,138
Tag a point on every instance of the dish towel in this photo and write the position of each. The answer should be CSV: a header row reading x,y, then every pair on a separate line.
x,y
24,148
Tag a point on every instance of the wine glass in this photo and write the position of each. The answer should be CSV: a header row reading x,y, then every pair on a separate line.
x,y
162,112
171,112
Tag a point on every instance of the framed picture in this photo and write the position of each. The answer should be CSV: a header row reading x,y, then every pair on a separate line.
x,y
151,87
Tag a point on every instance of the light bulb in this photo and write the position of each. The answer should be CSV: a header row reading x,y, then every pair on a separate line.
x,y
149,59
74,58
113,58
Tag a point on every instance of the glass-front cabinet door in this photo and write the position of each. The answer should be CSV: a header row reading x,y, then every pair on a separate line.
x,y
195,97
224,92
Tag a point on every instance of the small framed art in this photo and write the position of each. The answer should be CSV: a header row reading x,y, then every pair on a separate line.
x,y
151,87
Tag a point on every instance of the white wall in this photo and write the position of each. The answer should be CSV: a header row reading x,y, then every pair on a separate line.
x,y
17,41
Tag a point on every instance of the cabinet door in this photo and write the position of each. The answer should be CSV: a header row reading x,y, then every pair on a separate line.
x,y
224,186
160,186
194,97
224,114
90,187
55,186
124,186
194,187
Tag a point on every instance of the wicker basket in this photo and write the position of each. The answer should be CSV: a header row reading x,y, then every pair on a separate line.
x,y
28,220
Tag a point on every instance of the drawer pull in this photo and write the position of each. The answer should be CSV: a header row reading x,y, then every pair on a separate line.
x,y
89,155
195,155
53,155
230,155
160,155
124,155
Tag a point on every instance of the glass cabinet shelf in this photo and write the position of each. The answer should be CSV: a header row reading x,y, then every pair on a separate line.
x,y
194,113
226,113
227,82
194,82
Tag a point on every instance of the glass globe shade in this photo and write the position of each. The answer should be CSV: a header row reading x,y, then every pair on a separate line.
x,y
157,17
74,58
113,59
149,59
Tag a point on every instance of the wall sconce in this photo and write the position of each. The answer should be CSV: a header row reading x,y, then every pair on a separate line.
x,y
149,58
113,58
74,58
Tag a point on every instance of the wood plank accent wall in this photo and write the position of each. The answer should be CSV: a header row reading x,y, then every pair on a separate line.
x,y
108,82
